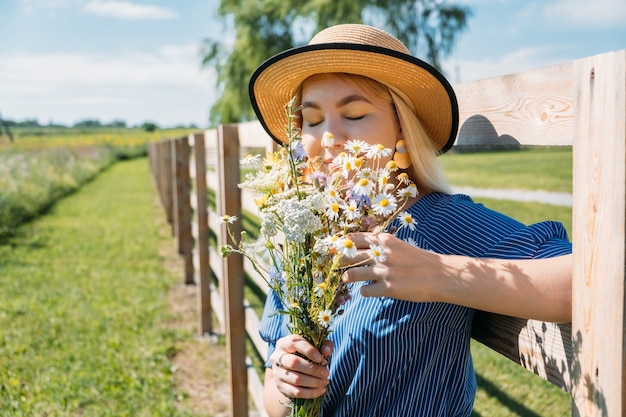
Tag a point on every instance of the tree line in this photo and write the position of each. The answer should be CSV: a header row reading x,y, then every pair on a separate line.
x,y
88,123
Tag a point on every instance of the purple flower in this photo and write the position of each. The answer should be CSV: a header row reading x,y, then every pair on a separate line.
x,y
298,152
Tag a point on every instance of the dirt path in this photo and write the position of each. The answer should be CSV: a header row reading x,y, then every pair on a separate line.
x,y
200,363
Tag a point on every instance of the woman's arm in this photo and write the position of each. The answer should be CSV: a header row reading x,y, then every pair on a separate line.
x,y
532,288
304,375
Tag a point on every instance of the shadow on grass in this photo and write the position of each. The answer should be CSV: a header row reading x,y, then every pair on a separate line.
x,y
506,400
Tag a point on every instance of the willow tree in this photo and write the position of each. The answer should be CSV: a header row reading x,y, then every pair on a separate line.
x,y
263,28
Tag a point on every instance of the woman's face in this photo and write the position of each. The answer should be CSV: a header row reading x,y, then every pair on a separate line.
x,y
330,104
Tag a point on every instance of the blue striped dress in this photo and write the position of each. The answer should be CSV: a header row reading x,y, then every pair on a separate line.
x,y
398,358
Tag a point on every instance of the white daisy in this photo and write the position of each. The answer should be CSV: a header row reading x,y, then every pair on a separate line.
x,y
351,210
378,151
251,160
227,219
328,140
346,247
356,146
332,210
363,186
408,191
406,220
384,204
377,253
325,317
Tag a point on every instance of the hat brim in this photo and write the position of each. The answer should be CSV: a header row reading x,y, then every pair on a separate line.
x,y
275,82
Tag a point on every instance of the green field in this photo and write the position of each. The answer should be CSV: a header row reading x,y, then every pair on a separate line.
x,y
40,138
533,168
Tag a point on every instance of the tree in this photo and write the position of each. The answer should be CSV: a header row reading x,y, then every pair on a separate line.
x,y
5,126
149,126
264,28
88,123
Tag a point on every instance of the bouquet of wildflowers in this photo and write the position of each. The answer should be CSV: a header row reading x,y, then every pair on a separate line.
x,y
306,217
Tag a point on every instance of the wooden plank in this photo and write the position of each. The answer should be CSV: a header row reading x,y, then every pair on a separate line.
x,y
599,367
213,163
233,281
182,212
542,348
256,390
252,135
527,108
205,316
167,179
253,324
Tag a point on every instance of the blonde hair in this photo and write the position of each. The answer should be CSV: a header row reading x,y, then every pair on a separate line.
x,y
425,169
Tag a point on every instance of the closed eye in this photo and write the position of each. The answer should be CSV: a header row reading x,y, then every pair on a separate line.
x,y
311,124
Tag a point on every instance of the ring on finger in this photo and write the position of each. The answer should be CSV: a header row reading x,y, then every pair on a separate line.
x,y
279,364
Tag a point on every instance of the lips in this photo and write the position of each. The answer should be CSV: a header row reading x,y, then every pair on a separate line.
x,y
330,164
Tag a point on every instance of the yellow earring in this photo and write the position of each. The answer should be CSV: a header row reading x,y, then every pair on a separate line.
x,y
401,156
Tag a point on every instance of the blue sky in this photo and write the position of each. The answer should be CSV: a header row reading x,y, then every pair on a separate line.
x,y
63,61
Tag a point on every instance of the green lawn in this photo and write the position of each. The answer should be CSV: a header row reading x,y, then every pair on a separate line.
x,y
530,169
82,305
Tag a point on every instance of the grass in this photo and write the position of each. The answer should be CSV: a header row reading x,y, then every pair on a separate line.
x,y
529,169
39,138
507,390
30,182
504,388
82,306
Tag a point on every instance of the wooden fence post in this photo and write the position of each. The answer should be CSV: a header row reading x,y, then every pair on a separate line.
x,y
154,155
205,319
233,278
167,179
182,207
599,365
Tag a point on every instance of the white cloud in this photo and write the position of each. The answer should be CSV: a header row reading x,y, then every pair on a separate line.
x,y
128,10
516,61
116,9
585,13
167,86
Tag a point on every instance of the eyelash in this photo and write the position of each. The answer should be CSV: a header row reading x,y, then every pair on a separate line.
x,y
349,118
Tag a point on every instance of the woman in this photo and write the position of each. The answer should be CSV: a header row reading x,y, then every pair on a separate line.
x,y
402,346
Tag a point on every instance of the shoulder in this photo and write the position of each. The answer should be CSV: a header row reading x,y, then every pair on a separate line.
x,y
446,210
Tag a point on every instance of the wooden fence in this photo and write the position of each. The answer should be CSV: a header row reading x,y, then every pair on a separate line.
x,y
580,103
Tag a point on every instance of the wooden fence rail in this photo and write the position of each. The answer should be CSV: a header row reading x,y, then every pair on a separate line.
x,y
581,103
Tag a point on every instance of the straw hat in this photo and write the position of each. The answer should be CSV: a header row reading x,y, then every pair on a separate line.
x,y
363,50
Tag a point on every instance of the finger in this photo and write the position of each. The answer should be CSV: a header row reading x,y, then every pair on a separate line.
x,y
361,258
297,391
295,344
375,289
327,349
363,240
294,366
374,272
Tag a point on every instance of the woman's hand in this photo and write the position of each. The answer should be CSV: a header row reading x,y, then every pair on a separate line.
x,y
407,273
299,370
